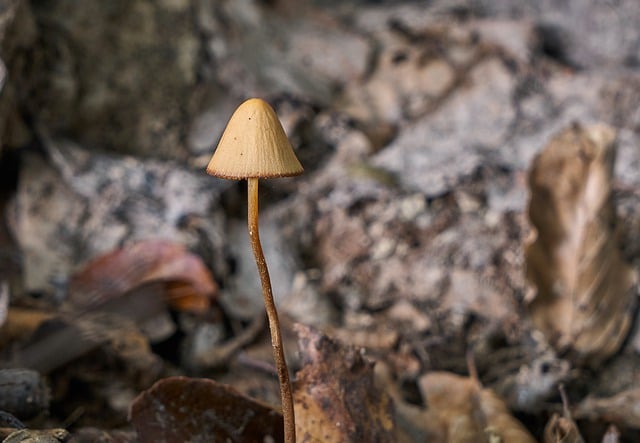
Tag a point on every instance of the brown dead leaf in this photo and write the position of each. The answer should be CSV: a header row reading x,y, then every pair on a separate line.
x,y
113,323
21,323
469,412
414,424
190,284
38,436
584,289
178,409
621,409
335,396
562,429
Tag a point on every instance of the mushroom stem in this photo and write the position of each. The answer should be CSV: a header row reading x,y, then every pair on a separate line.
x,y
272,314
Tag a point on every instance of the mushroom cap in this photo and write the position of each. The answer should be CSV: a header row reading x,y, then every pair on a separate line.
x,y
254,144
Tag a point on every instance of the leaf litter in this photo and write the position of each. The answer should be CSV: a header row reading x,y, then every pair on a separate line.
x,y
408,233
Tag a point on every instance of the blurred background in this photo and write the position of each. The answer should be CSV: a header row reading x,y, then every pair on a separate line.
x,y
416,122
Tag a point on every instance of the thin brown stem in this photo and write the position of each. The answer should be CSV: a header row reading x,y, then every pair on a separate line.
x,y
272,315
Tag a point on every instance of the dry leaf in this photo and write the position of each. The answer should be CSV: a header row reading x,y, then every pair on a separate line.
x,y
21,323
190,285
61,340
38,436
584,289
335,396
470,413
413,423
621,409
182,409
562,430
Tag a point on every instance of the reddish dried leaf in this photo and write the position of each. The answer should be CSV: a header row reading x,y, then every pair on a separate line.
x,y
181,409
470,413
190,284
584,288
335,397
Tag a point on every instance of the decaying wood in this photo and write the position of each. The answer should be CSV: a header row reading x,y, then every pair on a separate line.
x,y
584,290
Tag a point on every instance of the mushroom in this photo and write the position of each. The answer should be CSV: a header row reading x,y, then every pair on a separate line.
x,y
253,146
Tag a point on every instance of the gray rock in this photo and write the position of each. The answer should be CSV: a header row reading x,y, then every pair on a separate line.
x,y
435,153
85,204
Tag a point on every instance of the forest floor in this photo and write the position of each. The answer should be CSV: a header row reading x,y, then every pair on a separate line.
x,y
406,242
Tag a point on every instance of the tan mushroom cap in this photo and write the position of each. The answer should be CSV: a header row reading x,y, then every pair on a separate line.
x,y
254,144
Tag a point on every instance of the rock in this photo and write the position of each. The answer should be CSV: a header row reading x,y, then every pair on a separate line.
x,y
120,76
17,34
436,152
84,204
310,55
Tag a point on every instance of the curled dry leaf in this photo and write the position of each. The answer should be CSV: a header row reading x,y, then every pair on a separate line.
x,y
38,436
562,429
335,396
190,284
178,409
621,409
584,289
469,412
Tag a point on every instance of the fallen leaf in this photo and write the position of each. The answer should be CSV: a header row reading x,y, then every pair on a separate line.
x,y
562,428
115,322
469,412
21,323
37,436
584,289
335,397
190,284
181,409
621,409
414,424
